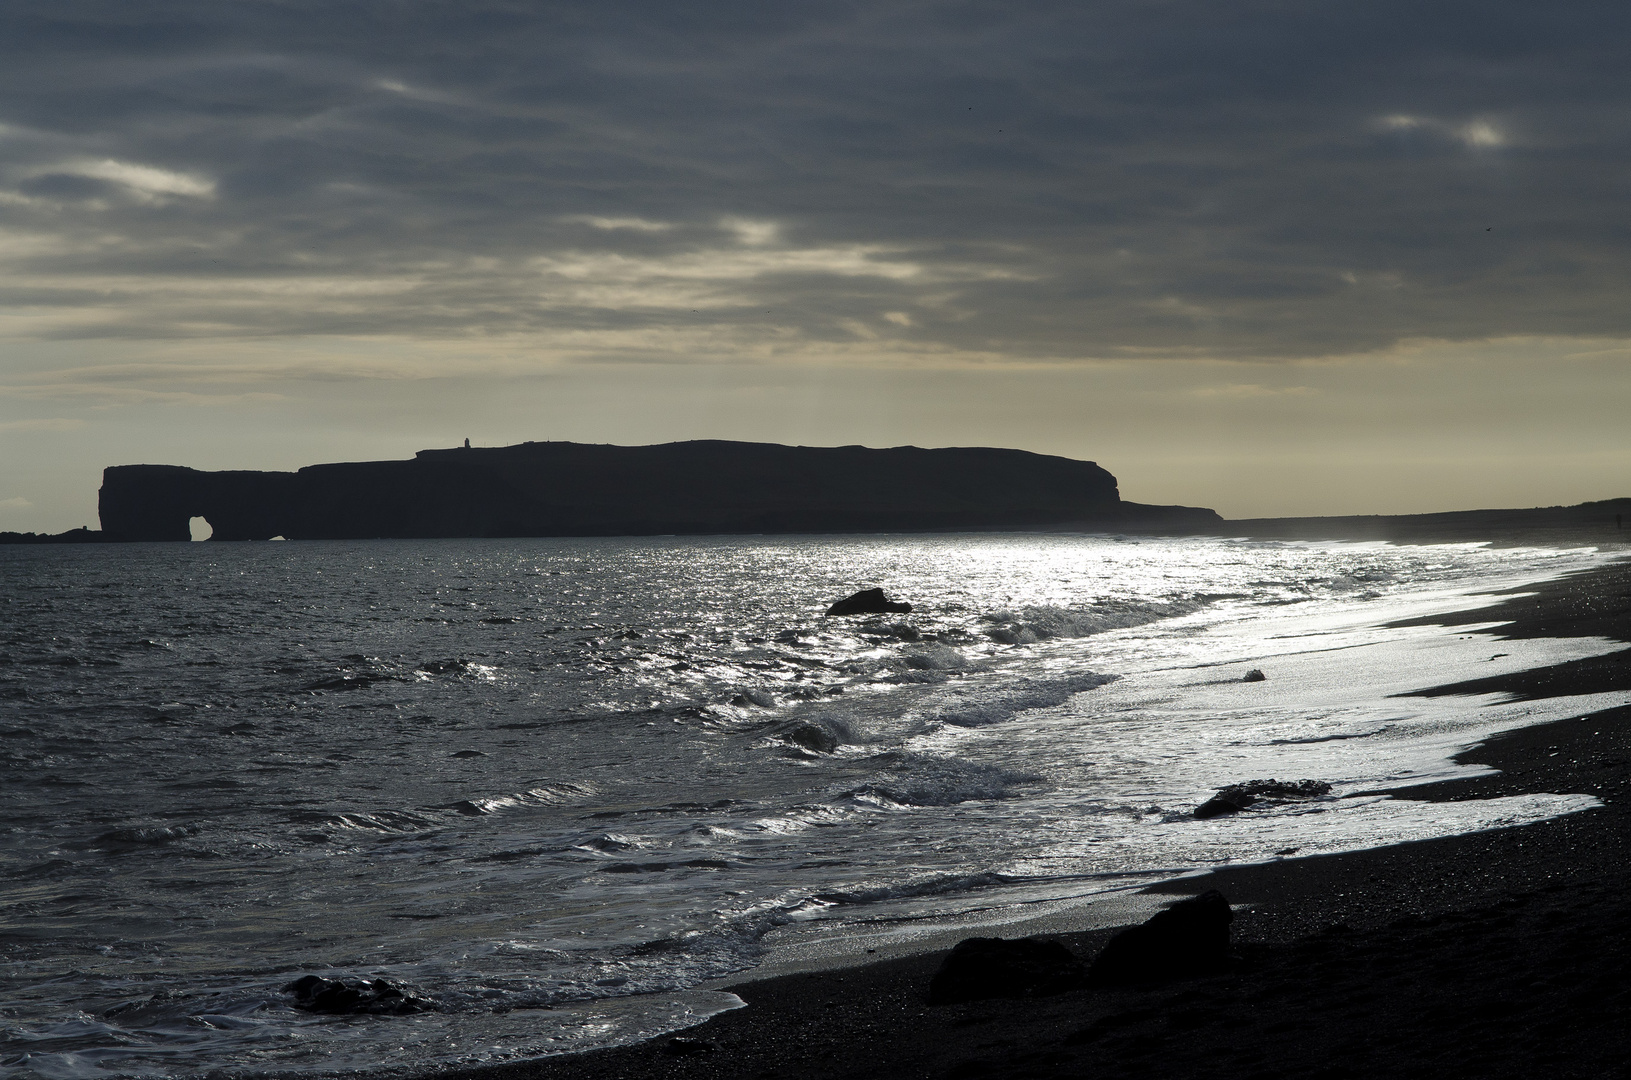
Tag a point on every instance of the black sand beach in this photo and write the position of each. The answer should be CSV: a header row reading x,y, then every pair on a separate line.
x,y
1499,954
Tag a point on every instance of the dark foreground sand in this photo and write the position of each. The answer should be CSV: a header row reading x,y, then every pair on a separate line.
x,y
1501,954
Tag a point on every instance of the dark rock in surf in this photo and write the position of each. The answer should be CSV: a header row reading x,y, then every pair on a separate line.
x,y
994,968
1238,797
869,602
1189,938
1218,805
811,737
355,997
1254,675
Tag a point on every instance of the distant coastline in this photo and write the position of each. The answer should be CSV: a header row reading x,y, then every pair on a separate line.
x,y
716,487
81,535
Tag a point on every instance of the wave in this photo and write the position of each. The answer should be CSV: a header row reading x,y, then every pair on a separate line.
x,y
921,780
149,834
543,795
1042,622
935,657
455,667
350,681
659,867
1339,737
979,705
389,821
937,885
607,843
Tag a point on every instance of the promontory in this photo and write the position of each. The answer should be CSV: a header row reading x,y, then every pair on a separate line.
x,y
576,489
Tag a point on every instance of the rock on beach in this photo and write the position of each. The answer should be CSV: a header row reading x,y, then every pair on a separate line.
x,y
1189,938
984,967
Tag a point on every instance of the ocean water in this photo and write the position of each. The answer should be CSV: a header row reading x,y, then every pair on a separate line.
x,y
559,787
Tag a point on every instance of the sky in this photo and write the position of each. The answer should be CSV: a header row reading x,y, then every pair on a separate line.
x,y
1273,258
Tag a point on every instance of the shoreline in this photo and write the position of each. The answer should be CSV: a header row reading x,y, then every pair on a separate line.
x,y
1487,954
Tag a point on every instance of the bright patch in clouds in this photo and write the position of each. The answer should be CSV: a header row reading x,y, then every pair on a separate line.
x,y
613,223
1476,133
754,233
1480,133
717,277
144,179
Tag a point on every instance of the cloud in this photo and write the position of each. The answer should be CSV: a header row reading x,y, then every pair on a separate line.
x,y
1481,133
752,233
1477,134
637,224
1252,390
144,178
100,391
1046,182
15,503
86,181
718,277
43,424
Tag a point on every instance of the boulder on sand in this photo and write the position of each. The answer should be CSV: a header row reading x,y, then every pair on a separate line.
x,y
1237,797
1189,938
869,602
991,968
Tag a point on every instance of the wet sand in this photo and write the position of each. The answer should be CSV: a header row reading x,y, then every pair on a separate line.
x,y
1499,954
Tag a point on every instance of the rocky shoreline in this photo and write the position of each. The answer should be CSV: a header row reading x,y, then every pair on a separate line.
x,y
1501,953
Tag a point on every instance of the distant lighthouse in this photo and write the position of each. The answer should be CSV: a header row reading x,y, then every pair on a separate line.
x,y
467,444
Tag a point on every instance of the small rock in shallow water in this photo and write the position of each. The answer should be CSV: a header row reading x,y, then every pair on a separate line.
x,y
869,602
355,997
1218,805
991,968
1189,938
811,737
1254,675
1238,797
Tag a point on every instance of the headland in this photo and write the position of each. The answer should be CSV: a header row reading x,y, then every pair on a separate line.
x,y
574,489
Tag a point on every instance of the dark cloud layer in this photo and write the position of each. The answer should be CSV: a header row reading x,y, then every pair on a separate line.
x,y
1023,180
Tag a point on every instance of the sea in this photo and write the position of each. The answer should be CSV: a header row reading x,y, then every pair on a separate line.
x,y
565,790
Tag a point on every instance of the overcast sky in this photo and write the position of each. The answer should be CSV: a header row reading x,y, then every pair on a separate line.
x,y
1273,258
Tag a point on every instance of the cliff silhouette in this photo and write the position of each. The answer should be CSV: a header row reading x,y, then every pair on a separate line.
x,y
576,489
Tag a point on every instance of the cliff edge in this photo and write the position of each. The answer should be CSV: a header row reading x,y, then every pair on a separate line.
x,y
576,489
